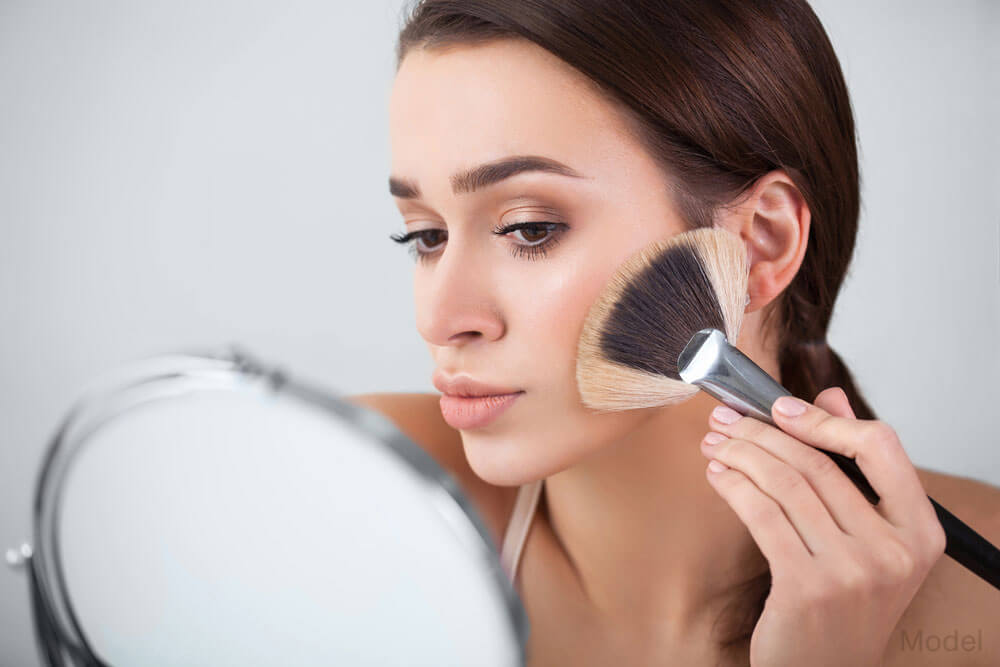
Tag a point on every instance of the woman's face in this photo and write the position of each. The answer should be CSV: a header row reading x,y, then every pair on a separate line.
x,y
508,310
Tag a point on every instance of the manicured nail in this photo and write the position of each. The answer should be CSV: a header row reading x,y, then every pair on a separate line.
x,y
725,415
714,438
716,466
789,406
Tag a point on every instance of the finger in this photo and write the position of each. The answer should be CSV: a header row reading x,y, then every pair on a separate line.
x,y
764,518
835,401
847,506
874,446
786,486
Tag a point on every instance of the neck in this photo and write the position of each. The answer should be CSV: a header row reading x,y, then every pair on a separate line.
x,y
656,550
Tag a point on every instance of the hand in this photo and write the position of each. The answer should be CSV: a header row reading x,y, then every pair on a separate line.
x,y
842,570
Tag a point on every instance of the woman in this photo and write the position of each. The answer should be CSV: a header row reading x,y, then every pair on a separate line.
x,y
535,147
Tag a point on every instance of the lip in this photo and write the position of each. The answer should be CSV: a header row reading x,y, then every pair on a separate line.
x,y
463,386
465,413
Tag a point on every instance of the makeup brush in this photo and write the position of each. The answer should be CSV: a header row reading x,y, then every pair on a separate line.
x,y
661,330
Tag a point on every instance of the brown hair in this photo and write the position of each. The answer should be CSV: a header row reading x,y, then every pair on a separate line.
x,y
720,92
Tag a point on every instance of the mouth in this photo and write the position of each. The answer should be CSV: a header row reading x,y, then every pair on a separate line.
x,y
471,412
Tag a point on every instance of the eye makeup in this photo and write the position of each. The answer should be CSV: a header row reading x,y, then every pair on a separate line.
x,y
530,250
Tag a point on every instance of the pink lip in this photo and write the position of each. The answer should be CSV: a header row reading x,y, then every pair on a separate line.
x,y
466,413
463,385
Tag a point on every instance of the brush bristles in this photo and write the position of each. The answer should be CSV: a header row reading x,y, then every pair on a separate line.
x,y
656,300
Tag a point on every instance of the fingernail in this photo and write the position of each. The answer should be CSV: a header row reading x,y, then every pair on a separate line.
x,y
725,415
789,406
714,438
716,466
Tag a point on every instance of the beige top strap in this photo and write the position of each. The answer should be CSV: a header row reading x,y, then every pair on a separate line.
x,y
517,527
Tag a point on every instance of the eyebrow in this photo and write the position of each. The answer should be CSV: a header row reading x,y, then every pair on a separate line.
x,y
486,174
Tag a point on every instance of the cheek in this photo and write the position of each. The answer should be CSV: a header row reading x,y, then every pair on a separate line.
x,y
548,331
559,301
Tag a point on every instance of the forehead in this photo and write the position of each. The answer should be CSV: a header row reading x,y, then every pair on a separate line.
x,y
470,104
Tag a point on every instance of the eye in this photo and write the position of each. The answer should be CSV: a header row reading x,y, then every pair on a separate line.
x,y
421,235
540,237
536,247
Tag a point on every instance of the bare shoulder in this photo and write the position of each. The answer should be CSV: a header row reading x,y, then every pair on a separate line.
x,y
952,618
419,417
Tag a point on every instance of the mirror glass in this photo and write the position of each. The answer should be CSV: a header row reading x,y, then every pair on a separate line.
x,y
243,524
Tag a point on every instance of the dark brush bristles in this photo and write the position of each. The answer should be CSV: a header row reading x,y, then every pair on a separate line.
x,y
658,298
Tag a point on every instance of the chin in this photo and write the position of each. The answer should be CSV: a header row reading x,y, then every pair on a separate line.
x,y
499,461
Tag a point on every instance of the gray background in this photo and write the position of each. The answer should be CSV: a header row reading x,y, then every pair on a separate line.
x,y
192,174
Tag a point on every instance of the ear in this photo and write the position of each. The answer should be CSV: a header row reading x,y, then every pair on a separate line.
x,y
773,220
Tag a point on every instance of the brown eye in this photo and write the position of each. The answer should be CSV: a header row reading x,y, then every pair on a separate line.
x,y
431,237
540,237
423,237
534,233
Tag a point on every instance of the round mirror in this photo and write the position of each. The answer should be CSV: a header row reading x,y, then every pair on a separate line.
x,y
206,510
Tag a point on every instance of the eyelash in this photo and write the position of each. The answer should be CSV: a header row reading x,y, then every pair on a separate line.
x,y
530,251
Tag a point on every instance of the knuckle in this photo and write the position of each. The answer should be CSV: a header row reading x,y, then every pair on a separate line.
x,y
879,437
854,575
824,420
764,512
733,447
732,483
896,559
820,464
790,483
824,426
827,425
749,428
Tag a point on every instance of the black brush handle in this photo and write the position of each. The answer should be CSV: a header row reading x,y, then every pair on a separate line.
x,y
966,546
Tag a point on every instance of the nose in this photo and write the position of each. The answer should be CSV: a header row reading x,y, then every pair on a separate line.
x,y
456,300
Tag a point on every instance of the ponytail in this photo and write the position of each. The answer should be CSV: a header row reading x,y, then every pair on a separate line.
x,y
809,367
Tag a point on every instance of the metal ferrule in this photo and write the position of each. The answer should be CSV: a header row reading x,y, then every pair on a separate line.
x,y
721,370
